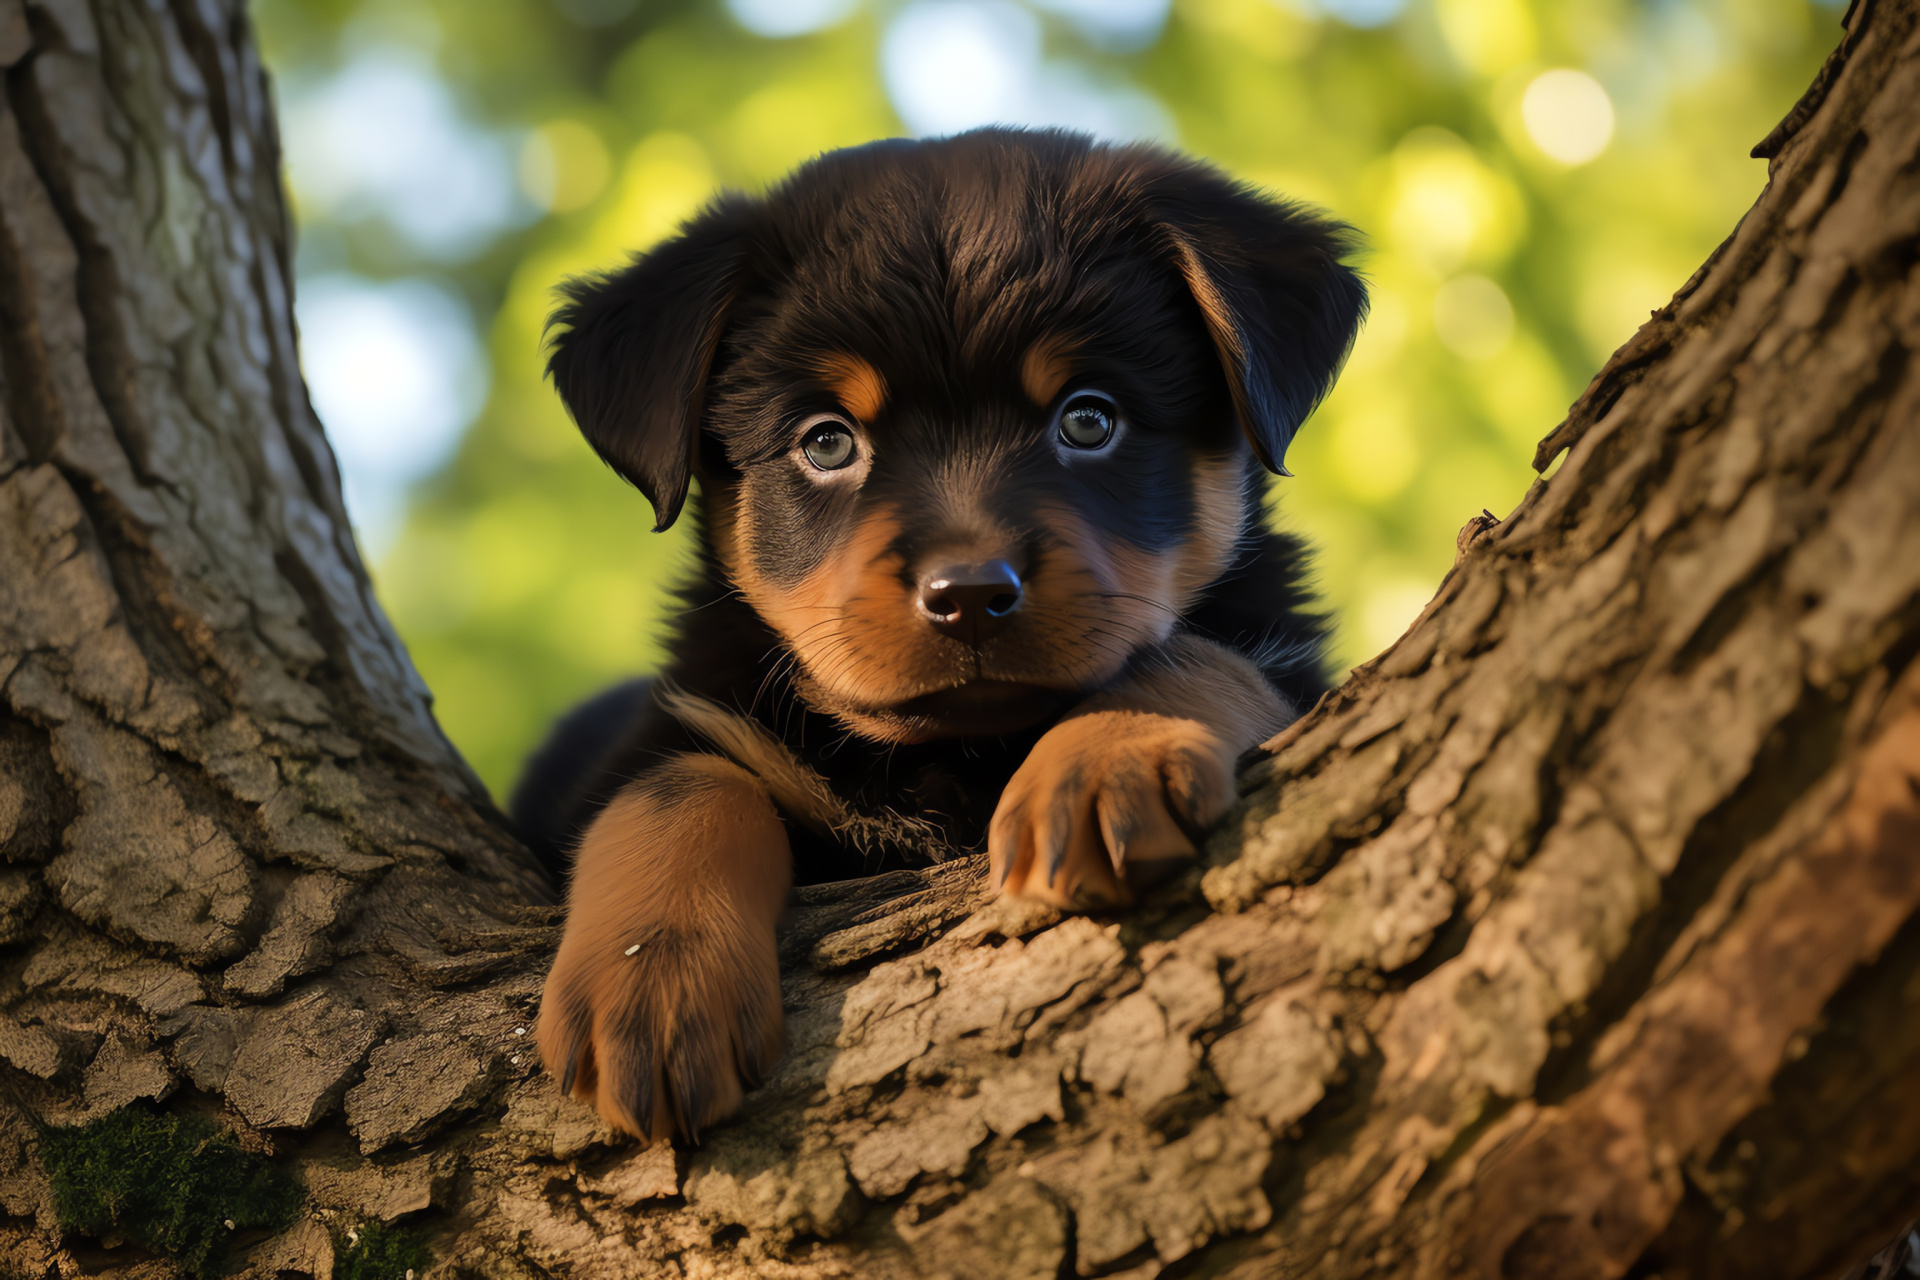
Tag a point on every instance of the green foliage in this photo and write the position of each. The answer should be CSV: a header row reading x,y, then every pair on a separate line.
x,y
174,1183
1502,277
378,1251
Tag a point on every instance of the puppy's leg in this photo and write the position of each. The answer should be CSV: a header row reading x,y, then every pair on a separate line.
x,y
664,1000
1111,798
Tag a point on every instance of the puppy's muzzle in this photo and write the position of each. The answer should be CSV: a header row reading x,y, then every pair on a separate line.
x,y
970,602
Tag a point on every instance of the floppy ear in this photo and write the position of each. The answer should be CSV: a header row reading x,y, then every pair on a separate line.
x,y
1281,305
635,347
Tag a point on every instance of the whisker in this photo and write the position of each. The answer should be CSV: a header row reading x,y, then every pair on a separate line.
x,y
1148,601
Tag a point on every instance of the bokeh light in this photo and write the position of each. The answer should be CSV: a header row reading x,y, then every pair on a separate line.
x,y
952,65
1114,24
782,18
1363,13
1472,317
1531,178
384,139
564,165
1569,115
396,372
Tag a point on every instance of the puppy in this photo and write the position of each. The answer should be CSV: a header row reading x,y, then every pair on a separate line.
x,y
980,426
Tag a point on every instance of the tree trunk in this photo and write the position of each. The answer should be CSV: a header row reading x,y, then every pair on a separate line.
x,y
1576,936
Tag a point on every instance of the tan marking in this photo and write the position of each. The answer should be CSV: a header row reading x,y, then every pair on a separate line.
x,y
1226,341
797,789
858,385
1100,598
851,623
1220,516
1045,368
1213,308
676,889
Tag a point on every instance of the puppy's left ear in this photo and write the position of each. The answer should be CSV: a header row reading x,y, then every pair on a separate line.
x,y
635,348
1280,302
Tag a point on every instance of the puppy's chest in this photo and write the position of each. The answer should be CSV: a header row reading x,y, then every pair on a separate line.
x,y
914,805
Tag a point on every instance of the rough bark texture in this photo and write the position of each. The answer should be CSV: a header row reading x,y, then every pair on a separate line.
x,y
1576,936
233,843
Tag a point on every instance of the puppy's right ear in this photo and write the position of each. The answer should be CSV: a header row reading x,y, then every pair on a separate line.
x,y
635,347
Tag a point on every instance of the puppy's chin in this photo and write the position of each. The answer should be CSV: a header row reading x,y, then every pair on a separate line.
x,y
976,709
983,709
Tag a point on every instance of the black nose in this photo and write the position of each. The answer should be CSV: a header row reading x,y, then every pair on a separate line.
x,y
970,601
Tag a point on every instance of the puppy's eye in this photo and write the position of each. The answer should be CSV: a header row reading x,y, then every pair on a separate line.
x,y
828,445
1088,420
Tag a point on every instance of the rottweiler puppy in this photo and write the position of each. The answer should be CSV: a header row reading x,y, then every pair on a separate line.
x,y
981,428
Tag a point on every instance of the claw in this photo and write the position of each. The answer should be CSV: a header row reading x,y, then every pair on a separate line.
x,y
1118,827
637,1083
684,1090
1006,841
1059,835
750,1032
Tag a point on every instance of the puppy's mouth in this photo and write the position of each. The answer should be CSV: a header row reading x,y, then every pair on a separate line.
x,y
976,709
981,708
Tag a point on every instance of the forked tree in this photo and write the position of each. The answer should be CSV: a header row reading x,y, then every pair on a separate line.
x,y
1574,936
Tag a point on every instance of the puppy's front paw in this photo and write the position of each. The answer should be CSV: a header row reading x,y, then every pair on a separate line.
x,y
664,1034
663,1005
1107,804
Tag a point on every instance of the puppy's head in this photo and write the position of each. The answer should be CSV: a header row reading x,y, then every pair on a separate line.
x,y
975,419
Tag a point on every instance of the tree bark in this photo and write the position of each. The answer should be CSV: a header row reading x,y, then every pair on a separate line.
x,y
1578,935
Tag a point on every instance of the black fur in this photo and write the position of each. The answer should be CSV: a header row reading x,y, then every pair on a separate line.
x,y
1196,302
550,786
